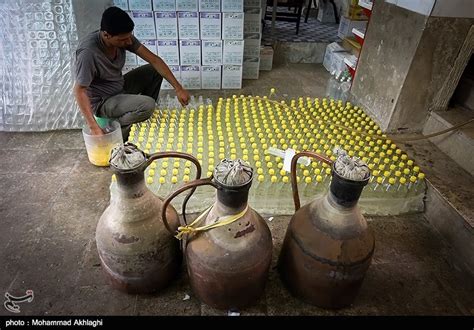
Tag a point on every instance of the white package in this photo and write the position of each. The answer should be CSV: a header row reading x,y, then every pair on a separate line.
x,y
164,5
191,76
233,26
211,52
168,50
252,20
130,58
211,77
144,25
233,52
144,5
122,4
210,5
188,25
250,68
190,52
166,25
232,6
231,77
187,5
252,4
210,24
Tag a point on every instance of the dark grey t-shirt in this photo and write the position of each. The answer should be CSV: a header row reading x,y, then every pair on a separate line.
x,y
102,76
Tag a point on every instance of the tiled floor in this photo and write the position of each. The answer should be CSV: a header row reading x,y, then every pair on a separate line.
x,y
312,31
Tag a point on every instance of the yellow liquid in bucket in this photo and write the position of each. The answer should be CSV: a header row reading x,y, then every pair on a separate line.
x,y
99,155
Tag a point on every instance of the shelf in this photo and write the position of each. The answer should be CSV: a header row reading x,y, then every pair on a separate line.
x,y
366,4
359,34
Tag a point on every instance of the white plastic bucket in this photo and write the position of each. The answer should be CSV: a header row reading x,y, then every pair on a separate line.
x,y
99,146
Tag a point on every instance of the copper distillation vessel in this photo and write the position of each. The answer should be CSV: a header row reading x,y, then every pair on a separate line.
x,y
227,265
328,246
136,251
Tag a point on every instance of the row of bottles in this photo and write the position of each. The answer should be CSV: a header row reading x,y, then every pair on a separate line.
x,y
246,127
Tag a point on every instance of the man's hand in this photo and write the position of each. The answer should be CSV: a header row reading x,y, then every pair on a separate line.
x,y
183,96
96,130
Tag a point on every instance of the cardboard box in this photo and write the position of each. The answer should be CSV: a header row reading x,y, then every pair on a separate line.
x,y
210,6
168,50
231,77
191,76
233,26
252,44
175,69
164,5
130,58
338,65
346,25
252,20
139,5
190,52
250,67
266,58
166,25
211,52
211,77
210,24
187,5
122,4
151,45
253,4
144,25
232,6
328,55
188,25
233,52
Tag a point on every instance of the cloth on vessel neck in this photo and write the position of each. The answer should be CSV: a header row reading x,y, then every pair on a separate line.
x,y
351,168
126,156
233,172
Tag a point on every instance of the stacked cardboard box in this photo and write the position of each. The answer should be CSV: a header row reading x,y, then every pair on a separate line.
x,y
202,41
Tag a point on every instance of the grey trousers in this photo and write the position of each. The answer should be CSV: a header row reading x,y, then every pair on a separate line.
x,y
137,103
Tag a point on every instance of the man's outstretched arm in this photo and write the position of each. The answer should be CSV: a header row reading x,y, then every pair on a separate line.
x,y
165,72
82,99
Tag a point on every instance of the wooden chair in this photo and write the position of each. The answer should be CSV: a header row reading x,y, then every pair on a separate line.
x,y
286,15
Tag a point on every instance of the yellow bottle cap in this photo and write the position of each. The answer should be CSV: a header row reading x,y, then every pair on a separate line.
x,y
149,180
403,180
413,179
391,180
379,180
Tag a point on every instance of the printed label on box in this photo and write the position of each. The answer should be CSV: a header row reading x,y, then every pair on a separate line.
x,y
151,45
188,25
168,50
164,5
122,4
210,5
175,69
231,76
190,52
144,25
139,5
211,52
210,24
166,25
211,77
130,58
233,26
187,5
233,52
191,76
232,6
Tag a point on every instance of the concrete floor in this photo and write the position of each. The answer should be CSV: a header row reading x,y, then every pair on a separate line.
x,y
52,198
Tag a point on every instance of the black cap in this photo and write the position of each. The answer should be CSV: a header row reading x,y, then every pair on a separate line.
x,y
116,21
